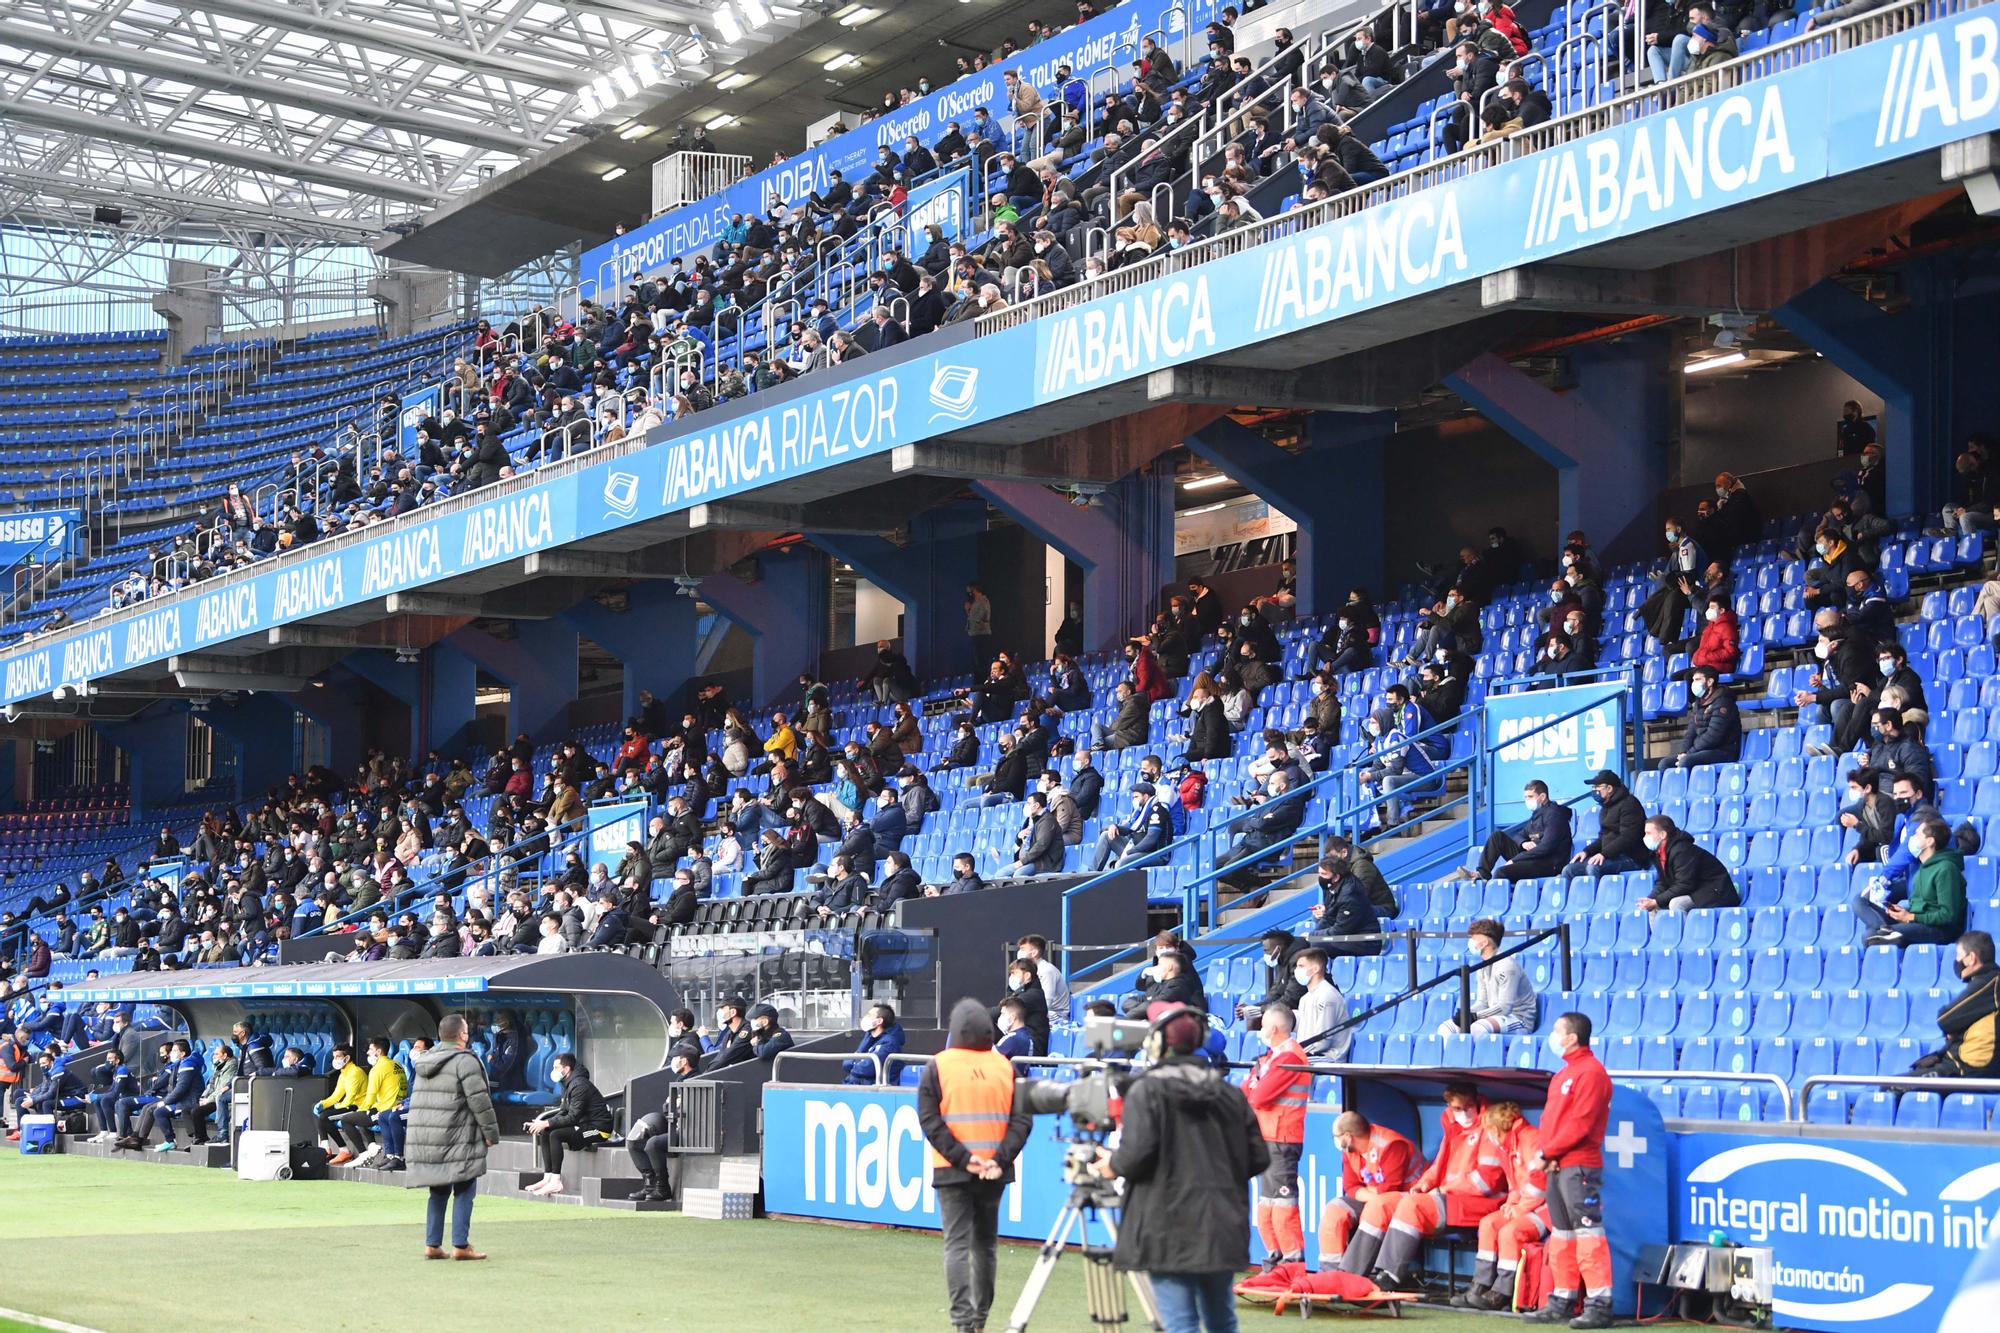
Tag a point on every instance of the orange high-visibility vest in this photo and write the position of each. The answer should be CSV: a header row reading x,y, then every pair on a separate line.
x,y
976,1098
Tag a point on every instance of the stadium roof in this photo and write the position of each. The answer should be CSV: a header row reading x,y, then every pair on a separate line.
x,y
331,120
311,118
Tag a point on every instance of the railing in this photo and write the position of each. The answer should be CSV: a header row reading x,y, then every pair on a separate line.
x,y
1897,1082
1198,896
1553,133
500,862
1462,974
1707,1076
825,1057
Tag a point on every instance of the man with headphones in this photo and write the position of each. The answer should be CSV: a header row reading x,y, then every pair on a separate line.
x,y
1188,1145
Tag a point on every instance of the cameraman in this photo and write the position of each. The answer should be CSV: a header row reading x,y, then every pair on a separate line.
x,y
976,1125
1188,1147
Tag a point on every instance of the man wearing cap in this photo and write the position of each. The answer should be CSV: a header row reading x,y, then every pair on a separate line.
x,y
976,1126
1621,831
1188,1146
651,1140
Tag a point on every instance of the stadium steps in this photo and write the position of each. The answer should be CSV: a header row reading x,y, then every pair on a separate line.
x,y
601,1178
208,1154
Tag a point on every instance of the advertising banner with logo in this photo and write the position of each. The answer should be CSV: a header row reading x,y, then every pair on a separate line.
x,y
1110,39
612,825
416,407
41,535
1870,1233
944,201
1848,111
1564,755
858,1155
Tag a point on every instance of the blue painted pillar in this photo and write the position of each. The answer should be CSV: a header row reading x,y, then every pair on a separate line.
x,y
438,689
785,611
928,577
538,667
1607,438
262,731
654,638
1930,364
339,705
155,746
1332,489
1125,545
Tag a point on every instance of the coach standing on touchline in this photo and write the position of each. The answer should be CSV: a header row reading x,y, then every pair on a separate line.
x,y
451,1126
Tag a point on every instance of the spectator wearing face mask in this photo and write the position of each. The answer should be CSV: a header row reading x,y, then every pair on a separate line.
x,y
1679,581
1024,988
1503,1001
1719,645
1902,688
1539,848
1714,732
1344,914
580,1118
1619,843
1971,1023
881,1037
1935,911
1687,877
1896,752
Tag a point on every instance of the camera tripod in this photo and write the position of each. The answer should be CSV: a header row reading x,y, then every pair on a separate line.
x,y
1088,1199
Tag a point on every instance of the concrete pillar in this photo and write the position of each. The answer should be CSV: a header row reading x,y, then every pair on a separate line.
x,y
341,706
407,300
1926,362
1332,489
438,689
1607,438
261,730
784,612
928,577
1125,545
654,638
539,668
155,746
192,310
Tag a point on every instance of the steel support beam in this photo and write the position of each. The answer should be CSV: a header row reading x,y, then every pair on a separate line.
x,y
343,26
69,121
204,75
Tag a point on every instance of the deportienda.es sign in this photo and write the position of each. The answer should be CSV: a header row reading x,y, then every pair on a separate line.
x,y
1872,1234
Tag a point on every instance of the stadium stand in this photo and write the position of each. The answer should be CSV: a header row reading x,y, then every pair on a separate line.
x,y
1807,701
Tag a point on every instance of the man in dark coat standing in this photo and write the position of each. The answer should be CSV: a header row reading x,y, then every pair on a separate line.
x,y
1188,1148
452,1124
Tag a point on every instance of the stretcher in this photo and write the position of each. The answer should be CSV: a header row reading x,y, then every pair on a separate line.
x,y
1292,1286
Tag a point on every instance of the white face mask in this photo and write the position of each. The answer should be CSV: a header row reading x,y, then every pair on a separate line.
x,y
1822,650
1555,594
1463,1117
1886,665
1653,841
1714,613
1556,1046
1302,976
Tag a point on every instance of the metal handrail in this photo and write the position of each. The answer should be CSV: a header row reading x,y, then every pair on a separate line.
x,y
389,905
1714,1076
1462,973
1897,1082
1553,133
826,1057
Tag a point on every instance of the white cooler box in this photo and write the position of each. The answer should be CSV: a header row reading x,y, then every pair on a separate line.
x,y
264,1154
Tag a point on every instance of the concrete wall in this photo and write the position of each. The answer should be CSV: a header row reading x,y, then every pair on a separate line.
x,y
1771,419
1449,483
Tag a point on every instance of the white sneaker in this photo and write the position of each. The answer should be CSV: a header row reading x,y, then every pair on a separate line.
x,y
367,1158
